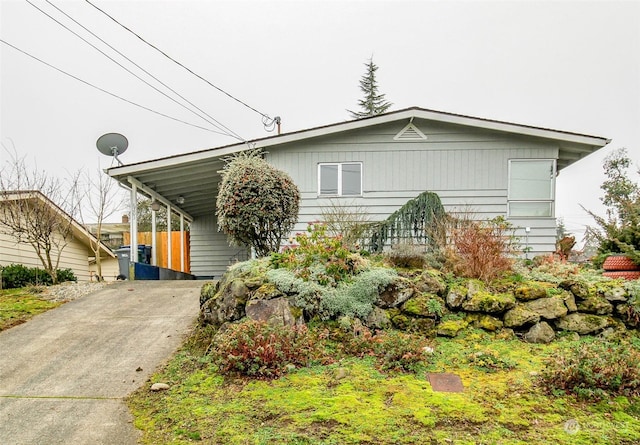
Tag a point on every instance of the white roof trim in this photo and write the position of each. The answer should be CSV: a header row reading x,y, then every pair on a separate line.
x,y
77,227
408,113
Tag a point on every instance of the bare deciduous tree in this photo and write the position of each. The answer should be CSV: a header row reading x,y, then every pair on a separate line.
x,y
37,209
349,220
102,200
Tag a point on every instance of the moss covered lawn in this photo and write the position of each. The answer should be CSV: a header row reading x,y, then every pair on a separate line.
x,y
19,305
352,402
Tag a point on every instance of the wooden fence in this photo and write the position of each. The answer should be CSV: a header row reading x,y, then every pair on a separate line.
x,y
162,250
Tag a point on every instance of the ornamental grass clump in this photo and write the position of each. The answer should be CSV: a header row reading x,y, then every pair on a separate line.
x,y
594,369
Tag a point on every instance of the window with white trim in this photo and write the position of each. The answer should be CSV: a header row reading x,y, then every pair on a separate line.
x,y
531,187
340,179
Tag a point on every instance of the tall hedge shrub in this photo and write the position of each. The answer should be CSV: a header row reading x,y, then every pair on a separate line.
x,y
257,204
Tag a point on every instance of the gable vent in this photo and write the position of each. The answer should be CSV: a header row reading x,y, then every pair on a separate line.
x,y
410,133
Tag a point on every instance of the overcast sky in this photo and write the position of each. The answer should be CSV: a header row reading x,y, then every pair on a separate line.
x,y
565,65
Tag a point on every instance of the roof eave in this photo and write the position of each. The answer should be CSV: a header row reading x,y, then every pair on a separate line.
x,y
593,142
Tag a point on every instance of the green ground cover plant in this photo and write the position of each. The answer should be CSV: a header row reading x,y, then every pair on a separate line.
x,y
353,399
19,305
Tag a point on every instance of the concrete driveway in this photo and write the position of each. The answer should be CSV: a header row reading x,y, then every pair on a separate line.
x,y
64,373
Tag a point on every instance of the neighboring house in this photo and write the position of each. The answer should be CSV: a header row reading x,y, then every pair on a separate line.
x,y
111,234
489,167
76,255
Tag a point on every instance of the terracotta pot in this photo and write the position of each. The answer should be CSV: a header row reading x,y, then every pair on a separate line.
x,y
619,262
626,274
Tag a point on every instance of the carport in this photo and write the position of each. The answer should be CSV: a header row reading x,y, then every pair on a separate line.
x,y
184,186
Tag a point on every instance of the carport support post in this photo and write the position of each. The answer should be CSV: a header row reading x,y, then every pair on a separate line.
x,y
169,237
133,232
154,260
181,242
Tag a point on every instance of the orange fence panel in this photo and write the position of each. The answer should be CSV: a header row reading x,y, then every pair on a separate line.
x,y
162,248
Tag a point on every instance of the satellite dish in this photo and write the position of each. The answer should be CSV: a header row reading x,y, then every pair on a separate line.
x,y
112,144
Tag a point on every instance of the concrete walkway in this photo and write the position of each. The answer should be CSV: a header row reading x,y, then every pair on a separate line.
x,y
64,373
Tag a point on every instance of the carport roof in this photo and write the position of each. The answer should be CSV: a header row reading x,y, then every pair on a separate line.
x,y
195,176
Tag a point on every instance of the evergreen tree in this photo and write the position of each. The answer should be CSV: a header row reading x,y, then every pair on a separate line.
x,y
619,231
372,103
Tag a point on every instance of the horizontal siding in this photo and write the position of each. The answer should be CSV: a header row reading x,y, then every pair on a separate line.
x,y
402,170
468,169
110,269
75,256
211,254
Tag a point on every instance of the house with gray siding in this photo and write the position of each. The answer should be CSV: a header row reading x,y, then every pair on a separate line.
x,y
486,167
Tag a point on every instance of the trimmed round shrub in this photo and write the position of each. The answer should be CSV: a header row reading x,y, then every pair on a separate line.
x,y
257,205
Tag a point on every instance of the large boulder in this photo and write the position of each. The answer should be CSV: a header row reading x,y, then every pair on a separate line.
x,y
485,321
275,311
614,294
426,305
530,291
549,308
451,328
395,294
228,304
208,290
424,326
378,319
595,305
569,301
582,323
519,316
455,296
540,333
577,288
482,301
431,282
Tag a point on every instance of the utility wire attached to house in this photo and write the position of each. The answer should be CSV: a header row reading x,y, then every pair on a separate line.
x,y
268,121
222,130
231,132
108,92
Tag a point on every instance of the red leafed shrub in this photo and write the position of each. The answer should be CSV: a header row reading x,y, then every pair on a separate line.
x,y
480,249
261,350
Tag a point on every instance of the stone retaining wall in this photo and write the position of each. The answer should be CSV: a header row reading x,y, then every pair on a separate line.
x,y
423,302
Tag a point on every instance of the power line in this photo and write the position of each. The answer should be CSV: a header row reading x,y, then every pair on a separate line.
x,y
231,132
108,92
264,115
128,70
